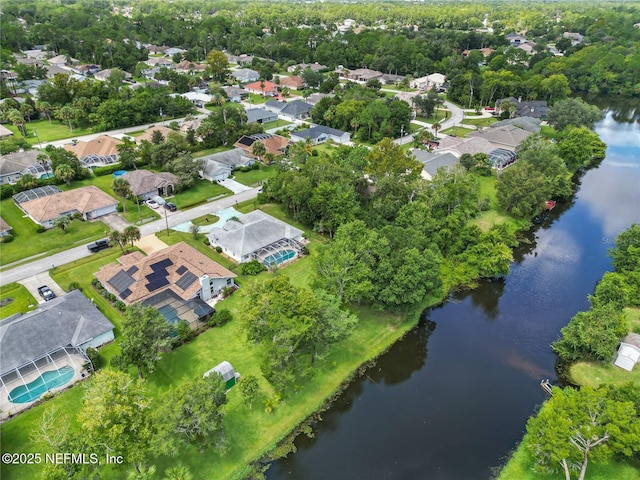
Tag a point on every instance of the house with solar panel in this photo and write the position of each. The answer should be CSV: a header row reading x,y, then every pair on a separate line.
x,y
258,236
178,280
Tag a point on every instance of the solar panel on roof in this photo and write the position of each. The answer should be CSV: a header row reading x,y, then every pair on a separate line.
x,y
125,293
161,264
121,281
132,270
246,141
155,285
181,269
186,280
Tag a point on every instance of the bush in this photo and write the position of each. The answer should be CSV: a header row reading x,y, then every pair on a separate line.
x,y
219,249
40,229
108,170
75,286
7,238
6,191
94,356
226,291
120,305
305,250
184,332
220,318
120,208
254,267
206,242
95,283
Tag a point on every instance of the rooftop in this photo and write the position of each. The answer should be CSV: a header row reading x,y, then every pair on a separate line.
x,y
83,199
104,145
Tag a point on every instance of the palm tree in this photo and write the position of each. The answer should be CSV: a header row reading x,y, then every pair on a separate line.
x,y
218,100
436,126
285,91
66,114
122,189
62,222
116,238
262,86
65,173
15,117
258,149
132,234
179,472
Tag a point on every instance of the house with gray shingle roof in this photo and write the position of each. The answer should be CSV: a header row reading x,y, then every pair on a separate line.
x,y
257,236
260,115
218,166
509,137
13,164
319,134
529,124
434,161
245,75
53,338
459,146
149,184
5,228
295,110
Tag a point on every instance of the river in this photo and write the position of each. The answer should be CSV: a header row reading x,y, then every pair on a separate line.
x,y
451,400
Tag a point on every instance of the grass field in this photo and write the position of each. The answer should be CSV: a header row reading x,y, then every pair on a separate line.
x,y
276,124
458,131
48,132
28,243
479,122
19,300
255,177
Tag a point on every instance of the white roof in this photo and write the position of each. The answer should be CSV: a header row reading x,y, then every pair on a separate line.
x,y
628,356
224,369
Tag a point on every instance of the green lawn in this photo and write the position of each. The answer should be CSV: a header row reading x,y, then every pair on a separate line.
x,y
28,243
547,131
479,122
209,151
255,177
276,124
439,115
257,99
458,131
19,300
202,191
48,132
496,215
175,237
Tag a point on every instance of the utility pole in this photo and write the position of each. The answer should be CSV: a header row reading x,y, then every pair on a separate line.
x,y
166,220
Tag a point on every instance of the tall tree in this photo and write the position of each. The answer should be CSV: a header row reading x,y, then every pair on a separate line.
x,y
218,66
144,333
65,173
115,417
132,234
249,389
117,238
122,189
575,112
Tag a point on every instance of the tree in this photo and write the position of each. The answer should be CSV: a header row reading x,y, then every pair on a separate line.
x,y
156,137
388,159
626,254
144,333
218,66
44,108
127,153
122,189
186,169
576,426
575,112
17,119
427,103
65,173
178,472
66,114
192,413
27,182
131,234
578,146
258,149
62,222
249,389
195,231
117,238
592,335
115,416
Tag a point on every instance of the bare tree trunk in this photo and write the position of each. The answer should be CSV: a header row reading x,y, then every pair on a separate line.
x,y
565,467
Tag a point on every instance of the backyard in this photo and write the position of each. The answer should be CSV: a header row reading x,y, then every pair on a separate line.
x,y
255,177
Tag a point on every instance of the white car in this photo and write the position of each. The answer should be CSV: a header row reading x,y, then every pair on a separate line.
x,y
152,204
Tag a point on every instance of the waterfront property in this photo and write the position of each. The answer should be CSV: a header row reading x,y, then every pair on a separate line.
x,y
258,236
180,268
45,204
44,350
434,161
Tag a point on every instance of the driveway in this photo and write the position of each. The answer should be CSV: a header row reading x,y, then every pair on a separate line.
x,y
115,222
234,186
150,244
32,283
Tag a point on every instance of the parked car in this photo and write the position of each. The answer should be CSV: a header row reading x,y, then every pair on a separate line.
x,y
152,204
98,245
46,293
170,206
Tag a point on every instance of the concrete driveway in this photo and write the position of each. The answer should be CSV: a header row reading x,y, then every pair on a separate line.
x,y
115,222
235,187
32,283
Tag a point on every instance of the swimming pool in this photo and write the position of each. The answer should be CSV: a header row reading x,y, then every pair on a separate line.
x,y
45,382
279,257
119,173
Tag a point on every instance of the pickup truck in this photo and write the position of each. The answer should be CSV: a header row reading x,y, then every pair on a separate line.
x,y
46,293
98,245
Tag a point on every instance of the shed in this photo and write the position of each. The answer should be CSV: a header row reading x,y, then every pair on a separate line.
x,y
226,371
629,352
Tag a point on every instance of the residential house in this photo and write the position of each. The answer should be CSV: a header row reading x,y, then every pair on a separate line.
x,y
391,79
53,338
171,51
103,75
529,124
263,87
160,62
242,59
156,49
90,202
274,144
63,61
628,352
187,125
5,228
258,236
149,133
218,166
315,98
436,80
86,69
245,75
236,94
319,134
485,52
361,74
98,152
434,161
459,146
198,99
148,184
180,268
36,54
528,108
295,110
260,115
294,82
575,38
501,158
13,164
508,137
301,67
53,70
421,83
191,68
515,39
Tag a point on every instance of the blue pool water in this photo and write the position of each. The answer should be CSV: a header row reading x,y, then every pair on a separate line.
x,y
279,257
119,173
45,382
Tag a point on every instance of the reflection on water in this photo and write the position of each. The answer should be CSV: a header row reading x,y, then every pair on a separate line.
x,y
456,412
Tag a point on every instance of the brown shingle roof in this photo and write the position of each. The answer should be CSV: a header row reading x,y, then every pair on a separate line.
x,y
103,146
144,181
4,226
83,200
293,81
148,133
181,255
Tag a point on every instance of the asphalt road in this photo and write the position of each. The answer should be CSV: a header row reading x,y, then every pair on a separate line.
x,y
42,265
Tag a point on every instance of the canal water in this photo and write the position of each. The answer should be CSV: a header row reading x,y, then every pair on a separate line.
x,y
451,400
